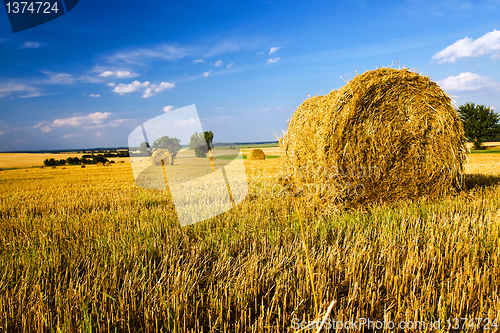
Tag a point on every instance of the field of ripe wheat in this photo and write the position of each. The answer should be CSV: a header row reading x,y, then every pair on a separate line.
x,y
86,250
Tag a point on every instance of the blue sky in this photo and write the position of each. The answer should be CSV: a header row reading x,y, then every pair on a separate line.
x,y
88,78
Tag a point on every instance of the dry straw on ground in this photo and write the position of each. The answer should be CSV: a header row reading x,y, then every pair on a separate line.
x,y
388,134
159,155
256,154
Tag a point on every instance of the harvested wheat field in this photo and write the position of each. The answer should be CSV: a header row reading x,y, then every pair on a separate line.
x,y
88,250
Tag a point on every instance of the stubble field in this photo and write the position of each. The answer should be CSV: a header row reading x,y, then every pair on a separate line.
x,y
87,250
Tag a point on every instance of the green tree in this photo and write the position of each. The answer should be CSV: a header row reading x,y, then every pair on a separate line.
x,y
199,144
144,148
480,123
209,137
171,144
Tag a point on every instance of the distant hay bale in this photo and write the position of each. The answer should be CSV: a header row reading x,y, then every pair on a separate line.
x,y
41,167
107,164
83,166
54,167
256,154
159,155
64,167
387,135
121,161
100,164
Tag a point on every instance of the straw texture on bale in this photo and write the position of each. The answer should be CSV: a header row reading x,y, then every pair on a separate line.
x,y
387,135
256,154
159,155
100,164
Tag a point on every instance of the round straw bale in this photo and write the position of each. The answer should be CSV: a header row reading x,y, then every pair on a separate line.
x,y
100,164
387,135
256,154
107,164
159,155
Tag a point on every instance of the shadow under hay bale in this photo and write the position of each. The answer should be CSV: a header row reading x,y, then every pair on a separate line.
x,y
256,154
479,180
387,135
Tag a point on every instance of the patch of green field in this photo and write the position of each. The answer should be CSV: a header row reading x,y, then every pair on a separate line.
x,y
486,151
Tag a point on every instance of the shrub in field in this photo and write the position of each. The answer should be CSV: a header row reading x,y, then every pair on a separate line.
x,y
256,154
388,134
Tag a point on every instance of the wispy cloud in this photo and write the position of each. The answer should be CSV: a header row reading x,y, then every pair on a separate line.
x,y
274,49
147,88
224,48
95,95
31,45
168,108
218,63
198,60
230,65
467,82
22,90
206,74
488,44
139,55
84,122
271,61
118,74
58,78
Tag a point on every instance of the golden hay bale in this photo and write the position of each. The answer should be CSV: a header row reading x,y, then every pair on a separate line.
x,y
159,155
54,167
100,164
386,135
256,154
83,166
107,164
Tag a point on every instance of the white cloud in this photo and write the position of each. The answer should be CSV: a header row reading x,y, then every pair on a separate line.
x,y
467,48
274,49
218,63
168,108
467,82
230,65
154,89
271,61
199,60
111,84
31,45
205,74
12,88
119,74
223,48
95,95
132,87
147,88
260,53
